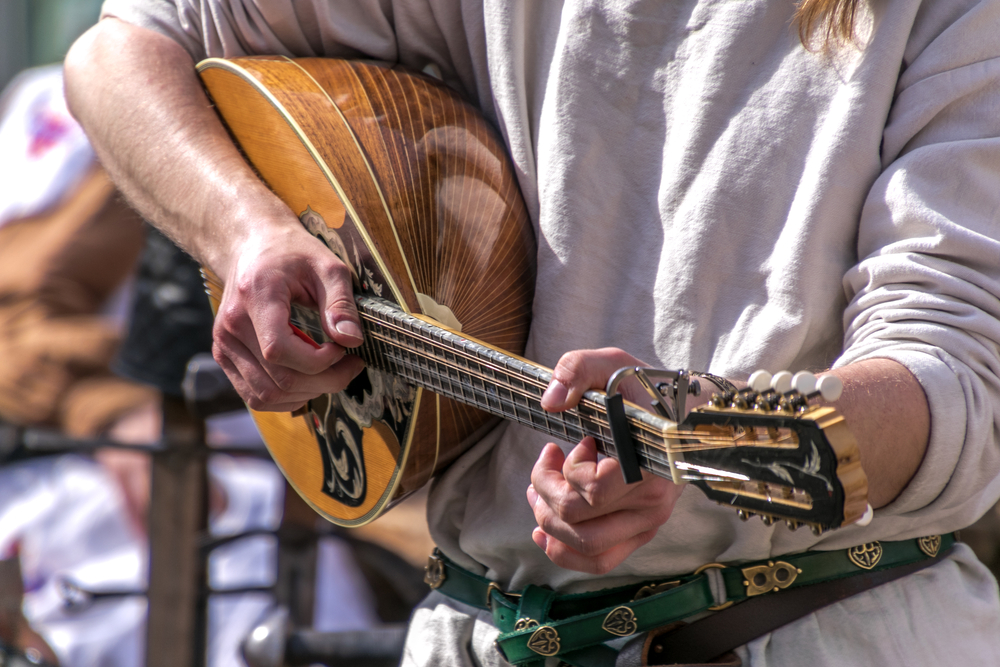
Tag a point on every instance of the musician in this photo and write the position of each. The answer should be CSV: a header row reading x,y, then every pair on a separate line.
x,y
714,186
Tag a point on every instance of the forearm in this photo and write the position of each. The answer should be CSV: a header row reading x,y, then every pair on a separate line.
x,y
138,96
886,410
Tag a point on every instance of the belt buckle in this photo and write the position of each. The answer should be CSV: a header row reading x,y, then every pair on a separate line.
x,y
715,566
494,586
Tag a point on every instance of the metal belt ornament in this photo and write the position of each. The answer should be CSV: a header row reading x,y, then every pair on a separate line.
x,y
866,556
930,545
434,574
545,641
620,621
581,622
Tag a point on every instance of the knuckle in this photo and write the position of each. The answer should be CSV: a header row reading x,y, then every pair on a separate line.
x,y
244,288
587,545
270,395
596,494
220,354
545,521
284,380
255,403
271,351
336,270
563,504
572,365
602,564
227,317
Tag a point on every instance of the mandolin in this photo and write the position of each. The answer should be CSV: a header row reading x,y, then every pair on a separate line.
x,y
412,189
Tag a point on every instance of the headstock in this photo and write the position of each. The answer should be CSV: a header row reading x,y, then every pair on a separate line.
x,y
768,451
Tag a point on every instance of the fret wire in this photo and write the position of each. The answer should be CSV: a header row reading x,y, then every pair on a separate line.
x,y
375,343
392,327
601,432
508,407
505,408
580,430
381,331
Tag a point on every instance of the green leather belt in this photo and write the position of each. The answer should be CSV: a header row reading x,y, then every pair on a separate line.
x,y
537,623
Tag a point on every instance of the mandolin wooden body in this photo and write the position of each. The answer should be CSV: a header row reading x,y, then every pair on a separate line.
x,y
414,191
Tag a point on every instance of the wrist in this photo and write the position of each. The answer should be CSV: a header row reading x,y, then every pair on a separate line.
x,y
248,229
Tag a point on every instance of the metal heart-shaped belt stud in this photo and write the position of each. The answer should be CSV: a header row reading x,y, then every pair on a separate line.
x,y
620,621
865,556
930,545
544,641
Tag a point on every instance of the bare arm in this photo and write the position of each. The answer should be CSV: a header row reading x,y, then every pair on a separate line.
x,y
137,95
886,410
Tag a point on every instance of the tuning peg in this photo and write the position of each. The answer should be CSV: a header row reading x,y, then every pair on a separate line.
x,y
792,525
817,531
767,519
781,382
760,381
804,382
830,387
867,517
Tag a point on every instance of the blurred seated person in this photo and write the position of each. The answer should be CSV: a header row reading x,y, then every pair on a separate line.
x,y
68,242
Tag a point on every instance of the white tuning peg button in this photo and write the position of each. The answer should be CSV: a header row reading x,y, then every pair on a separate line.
x,y
760,381
782,382
867,517
804,383
830,387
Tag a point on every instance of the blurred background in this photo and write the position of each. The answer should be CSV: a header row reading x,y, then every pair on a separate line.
x,y
39,32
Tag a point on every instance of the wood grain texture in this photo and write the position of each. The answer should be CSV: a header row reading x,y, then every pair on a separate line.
x,y
438,213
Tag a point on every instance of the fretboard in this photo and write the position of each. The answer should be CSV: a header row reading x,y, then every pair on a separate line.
x,y
476,374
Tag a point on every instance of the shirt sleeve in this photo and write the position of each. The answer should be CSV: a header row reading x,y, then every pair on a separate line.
x,y
926,291
293,28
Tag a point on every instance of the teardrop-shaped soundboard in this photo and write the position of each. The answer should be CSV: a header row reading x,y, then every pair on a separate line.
x,y
412,189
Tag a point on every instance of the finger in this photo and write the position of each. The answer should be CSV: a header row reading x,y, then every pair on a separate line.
x,y
595,536
599,482
549,483
279,389
335,296
259,319
578,487
248,393
566,557
581,370
547,471
285,357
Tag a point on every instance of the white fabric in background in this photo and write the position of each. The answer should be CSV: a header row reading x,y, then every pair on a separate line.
x,y
43,151
65,517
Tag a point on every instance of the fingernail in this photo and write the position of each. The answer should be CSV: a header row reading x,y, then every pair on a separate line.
x,y
349,328
555,394
532,496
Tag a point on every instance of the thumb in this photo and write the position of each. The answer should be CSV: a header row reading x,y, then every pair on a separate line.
x,y
581,370
340,315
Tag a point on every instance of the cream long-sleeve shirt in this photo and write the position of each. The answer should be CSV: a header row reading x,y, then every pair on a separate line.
x,y
725,199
